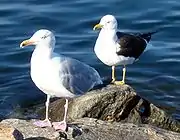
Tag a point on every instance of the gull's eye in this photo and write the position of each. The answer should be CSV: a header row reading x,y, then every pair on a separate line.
x,y
45,36
108,22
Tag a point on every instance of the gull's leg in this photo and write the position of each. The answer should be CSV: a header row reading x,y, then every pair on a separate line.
x,y
124,74
123,79
62,125
113,74
45,122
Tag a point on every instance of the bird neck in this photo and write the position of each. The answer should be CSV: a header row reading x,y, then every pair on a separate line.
x,y
109,34
44,51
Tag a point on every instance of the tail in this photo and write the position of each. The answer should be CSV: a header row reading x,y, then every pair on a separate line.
x,y
147,36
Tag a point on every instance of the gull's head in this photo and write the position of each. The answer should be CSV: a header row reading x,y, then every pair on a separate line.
x,y
42,37
107,22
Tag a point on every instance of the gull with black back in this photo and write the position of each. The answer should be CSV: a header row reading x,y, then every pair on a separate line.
x,y
115,48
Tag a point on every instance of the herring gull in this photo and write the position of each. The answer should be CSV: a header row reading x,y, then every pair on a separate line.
x,y
57,75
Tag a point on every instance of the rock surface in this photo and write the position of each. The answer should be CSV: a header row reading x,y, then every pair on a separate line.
x,y
30,131
112,112
93,129
7,132
115,104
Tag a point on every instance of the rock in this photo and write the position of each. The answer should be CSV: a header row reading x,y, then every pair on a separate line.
x,y
156,116
112,112
92,129
108,103
113,103
30,131
7,132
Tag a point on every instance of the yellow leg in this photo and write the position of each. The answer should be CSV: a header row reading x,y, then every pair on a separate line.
x,y
113,74
124,74
123,79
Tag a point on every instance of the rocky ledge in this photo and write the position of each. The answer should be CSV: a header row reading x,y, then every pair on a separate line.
x,y
112,112
89,129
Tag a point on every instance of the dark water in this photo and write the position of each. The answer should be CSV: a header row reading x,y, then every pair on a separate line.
x,y
156,76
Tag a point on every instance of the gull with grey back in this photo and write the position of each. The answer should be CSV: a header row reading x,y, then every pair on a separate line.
x,y
57,75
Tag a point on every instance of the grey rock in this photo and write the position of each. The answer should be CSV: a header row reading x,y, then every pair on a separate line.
x,y
7,132
156,116
112,112
30,131
110,102
113,103
92,129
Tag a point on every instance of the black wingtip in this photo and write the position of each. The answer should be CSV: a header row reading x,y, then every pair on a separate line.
x,y
147,36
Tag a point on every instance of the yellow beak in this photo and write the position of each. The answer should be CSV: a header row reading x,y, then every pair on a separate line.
x,y
26,43
97,26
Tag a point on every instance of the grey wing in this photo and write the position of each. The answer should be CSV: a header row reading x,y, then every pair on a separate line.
x,y
78,77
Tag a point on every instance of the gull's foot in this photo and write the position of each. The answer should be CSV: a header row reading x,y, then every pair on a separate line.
x,y
60,125
44,123
119,82
113,80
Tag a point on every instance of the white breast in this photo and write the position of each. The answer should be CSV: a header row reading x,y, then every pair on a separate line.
x,y
106,48
45,75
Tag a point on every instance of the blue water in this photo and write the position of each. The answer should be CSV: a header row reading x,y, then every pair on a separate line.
x,y
156,76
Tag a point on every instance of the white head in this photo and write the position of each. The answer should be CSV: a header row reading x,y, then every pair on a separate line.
x,y
41,38
107,22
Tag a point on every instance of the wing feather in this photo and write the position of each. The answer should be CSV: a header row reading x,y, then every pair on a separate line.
x,y
78,77
130,45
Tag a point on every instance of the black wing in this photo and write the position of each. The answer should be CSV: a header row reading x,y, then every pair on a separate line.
x,y
130,45
146,36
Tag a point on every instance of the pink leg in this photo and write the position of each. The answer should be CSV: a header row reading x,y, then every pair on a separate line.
x,y
45,122
62,125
